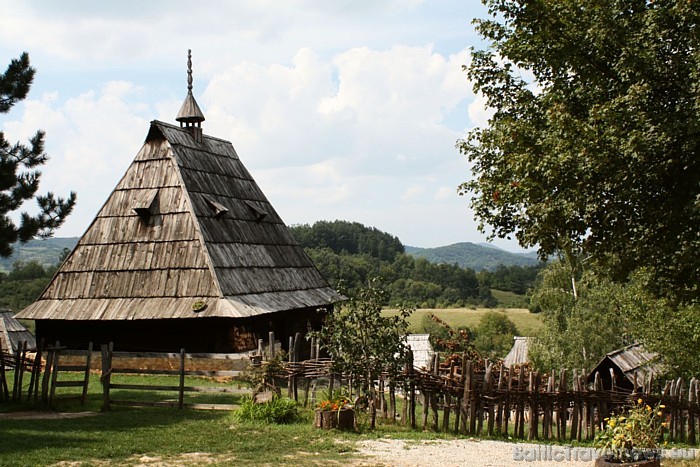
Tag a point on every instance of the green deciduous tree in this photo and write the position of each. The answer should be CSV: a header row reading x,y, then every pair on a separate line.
x,y
578,330
593,148
364,343
19,177
494,334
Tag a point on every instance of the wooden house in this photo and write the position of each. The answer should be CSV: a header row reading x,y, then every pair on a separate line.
x,y
619,367
186,252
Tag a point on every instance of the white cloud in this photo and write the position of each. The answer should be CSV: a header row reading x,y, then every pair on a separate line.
x,y
340,110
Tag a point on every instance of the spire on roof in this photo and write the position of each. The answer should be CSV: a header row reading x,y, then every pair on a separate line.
x,y
190,113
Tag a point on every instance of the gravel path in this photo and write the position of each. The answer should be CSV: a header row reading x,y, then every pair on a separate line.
x,y
470,452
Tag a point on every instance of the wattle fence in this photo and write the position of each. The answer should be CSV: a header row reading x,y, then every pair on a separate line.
x,y
456,393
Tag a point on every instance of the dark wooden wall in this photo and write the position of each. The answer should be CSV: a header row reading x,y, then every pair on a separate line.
x,y
222,335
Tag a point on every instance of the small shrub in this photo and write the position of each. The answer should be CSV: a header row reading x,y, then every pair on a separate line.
x,y
278,410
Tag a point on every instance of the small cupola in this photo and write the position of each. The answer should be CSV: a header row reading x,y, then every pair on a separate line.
x,y
190,115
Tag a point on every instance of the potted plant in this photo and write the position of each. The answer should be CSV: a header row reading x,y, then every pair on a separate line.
x,y
632,437
335,413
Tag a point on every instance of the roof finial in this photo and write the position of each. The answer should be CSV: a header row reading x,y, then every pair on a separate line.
x,y
189,70
190,112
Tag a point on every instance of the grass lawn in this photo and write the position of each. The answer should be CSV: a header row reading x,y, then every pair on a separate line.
x,y
527,323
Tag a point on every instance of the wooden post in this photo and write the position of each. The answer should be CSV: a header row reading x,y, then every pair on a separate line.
x,y
532,406
54,372
271,344
4,390
681,418
466,381
488,392
433,395
290,359
499,411
260,348
506,400
520,414
472,400
19,371
576,389
181,395
297,350
36,372
106,358
411,391
562,404
692,400
86,379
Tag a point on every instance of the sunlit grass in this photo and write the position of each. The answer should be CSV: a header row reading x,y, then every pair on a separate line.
x,y
527,323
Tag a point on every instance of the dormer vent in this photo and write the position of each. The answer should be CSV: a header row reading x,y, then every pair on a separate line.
x,y
219,209
258,213
149,209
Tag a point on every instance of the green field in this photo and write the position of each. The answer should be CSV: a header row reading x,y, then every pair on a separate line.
x,y
527,323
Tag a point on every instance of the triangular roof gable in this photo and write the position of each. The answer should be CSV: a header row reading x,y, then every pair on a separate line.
x,y
159,249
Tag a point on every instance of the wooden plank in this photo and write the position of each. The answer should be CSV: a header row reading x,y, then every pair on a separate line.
x,y
200,406
69,384
144,387
171,404
212,389
80,368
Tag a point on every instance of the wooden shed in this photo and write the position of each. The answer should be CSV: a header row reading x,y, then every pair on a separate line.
x,y
618,368
186,252
13,333
518,354
422,350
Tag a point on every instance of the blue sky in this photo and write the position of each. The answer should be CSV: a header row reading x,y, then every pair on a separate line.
x,y
344,109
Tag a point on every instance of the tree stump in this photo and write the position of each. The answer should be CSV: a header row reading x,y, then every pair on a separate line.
x,y
343,419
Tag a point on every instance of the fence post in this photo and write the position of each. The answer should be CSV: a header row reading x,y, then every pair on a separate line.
x,y
4,390
19,371
411,390
106,374
562,404
36,373
54,372
86,380
692,400
181,395
271,343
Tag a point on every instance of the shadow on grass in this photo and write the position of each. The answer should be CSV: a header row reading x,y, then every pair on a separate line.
x,y
118,432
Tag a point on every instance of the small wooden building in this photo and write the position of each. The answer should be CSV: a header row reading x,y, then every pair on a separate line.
x,y
518,354
422,349
186,252
13,333
618,368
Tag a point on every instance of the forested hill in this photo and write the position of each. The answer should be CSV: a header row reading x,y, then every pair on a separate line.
x,y
45,252
472,256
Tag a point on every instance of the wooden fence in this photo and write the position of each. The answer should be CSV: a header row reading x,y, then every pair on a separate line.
x,y
485,398
457,394
109,357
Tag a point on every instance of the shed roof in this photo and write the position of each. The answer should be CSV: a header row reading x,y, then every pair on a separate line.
x,y
186,233
631,359
421,348
12,333
518,353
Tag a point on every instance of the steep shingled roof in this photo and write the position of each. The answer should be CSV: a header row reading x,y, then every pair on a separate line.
x,y
186,233
13,333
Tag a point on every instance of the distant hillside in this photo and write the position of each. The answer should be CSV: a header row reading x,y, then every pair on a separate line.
x,y
473,256
45,252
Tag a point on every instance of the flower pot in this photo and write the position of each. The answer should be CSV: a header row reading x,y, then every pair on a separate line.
x,y
343,419
606,461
